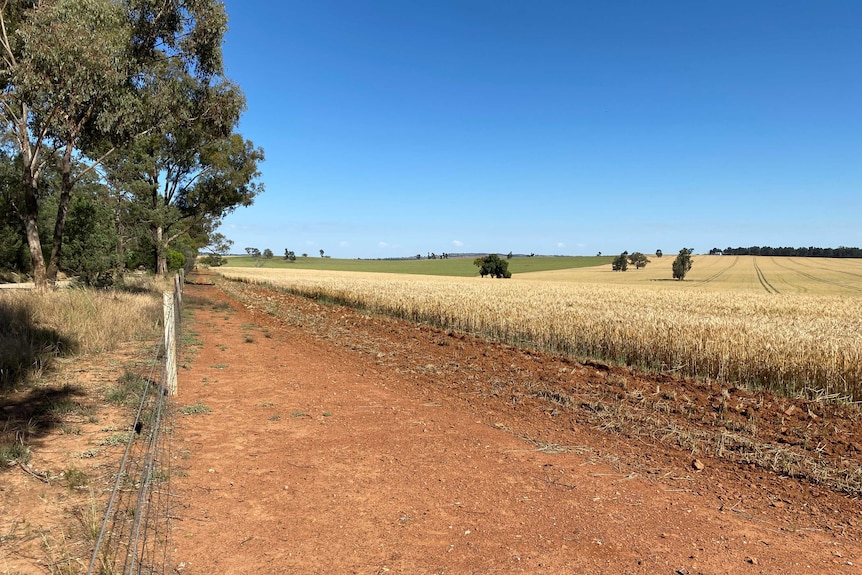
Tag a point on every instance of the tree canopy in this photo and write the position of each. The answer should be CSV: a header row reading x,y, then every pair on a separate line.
x,y
682,264
132,91
492,265
620,263
638,260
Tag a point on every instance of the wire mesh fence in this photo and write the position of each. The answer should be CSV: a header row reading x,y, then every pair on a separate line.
x,y
134,537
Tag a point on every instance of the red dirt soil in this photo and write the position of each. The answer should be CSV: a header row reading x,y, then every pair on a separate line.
x,y
343,442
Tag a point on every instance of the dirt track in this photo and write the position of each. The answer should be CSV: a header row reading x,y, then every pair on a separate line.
x,y
340,442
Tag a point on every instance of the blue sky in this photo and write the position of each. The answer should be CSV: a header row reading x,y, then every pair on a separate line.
x,y
399,127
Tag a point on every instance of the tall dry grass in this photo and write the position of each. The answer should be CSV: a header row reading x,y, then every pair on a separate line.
x,y
35,327
787,343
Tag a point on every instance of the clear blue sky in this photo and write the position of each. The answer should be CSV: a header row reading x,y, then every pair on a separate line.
x,y
397,127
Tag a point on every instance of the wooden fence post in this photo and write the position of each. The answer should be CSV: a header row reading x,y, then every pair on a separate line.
x,y
170,342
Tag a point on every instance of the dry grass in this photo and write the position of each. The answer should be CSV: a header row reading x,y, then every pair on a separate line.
x,y
34,327
791,343
54,416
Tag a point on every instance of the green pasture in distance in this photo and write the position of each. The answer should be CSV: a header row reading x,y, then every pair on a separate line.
x,y
458,267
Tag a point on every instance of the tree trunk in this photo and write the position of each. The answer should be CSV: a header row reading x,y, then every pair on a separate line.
x,y
31,226
161,252
30,180
121,238
62,210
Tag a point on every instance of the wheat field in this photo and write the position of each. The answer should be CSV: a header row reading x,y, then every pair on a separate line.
x,y
787,325
754,274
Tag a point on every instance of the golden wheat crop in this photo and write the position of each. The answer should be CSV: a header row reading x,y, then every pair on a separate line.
x,y
756,274
786,342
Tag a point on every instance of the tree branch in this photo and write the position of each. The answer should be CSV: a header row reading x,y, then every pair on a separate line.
x,y
9,57
94,165
194,221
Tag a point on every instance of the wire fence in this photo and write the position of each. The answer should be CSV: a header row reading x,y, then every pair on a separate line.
x,y
134,537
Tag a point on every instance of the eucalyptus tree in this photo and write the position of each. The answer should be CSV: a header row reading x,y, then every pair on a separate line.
x,y
80,78
63,61
186,175
682,264
190,168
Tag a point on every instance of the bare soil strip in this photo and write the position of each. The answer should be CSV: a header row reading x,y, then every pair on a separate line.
x,y
340,442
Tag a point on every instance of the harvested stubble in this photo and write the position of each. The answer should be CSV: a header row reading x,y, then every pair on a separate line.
x,y
788,344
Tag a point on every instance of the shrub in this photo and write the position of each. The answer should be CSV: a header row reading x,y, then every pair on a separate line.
x,y
176,260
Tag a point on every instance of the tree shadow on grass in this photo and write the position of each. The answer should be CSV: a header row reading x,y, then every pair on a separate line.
x,y
29,413
26,350
29,416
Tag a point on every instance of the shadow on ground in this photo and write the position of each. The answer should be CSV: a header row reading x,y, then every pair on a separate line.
x,y
26,350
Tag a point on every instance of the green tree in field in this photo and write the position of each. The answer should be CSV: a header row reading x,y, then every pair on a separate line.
x,y
509,256
682,264
658,253
267,254
256,255
321,253
638,260
492,265
289,255
620,263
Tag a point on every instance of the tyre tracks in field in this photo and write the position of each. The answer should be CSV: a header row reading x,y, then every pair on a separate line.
x,y
762,279
828,269
816,279
719,273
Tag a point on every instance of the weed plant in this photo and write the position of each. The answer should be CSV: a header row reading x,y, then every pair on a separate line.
x,y
195,409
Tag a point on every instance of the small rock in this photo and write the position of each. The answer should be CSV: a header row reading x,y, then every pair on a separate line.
x,y
698,465
751,560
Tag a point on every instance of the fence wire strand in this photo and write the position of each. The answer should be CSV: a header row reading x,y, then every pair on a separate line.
x,y
135,533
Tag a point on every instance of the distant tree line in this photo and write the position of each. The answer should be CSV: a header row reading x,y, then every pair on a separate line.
x,y
809,252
